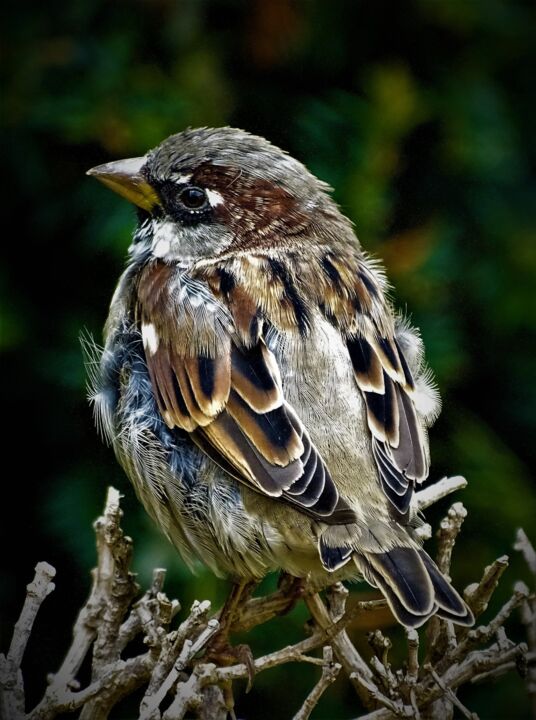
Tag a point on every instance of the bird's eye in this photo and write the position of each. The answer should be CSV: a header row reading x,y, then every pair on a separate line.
x,y
193,198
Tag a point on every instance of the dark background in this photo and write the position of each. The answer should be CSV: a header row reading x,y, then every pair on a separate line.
x,y
419,113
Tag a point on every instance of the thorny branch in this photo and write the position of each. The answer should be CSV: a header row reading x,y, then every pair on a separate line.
x,y
178,680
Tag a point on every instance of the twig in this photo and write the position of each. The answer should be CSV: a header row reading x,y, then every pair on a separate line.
x,y
448,532
525,547
153,603
478,595
114,584
494,674
167,668
178,682
290,653
439,490
484,633
330,670
390,707
438,635
450,695
213,706
528,613
127,674
12,693
424,532
380,644
413,655
36,592
187,692
352,662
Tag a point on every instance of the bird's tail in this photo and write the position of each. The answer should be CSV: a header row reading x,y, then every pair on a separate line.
x,y
413,586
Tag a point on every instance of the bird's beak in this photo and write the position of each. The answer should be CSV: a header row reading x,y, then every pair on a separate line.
x,y
125,178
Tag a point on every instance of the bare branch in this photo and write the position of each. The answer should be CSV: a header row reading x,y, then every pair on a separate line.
x,y
175,655
478,595
12,695
330,670
179,681
352,662
450,695
439,634
525,547
36,592
413,655
439,490
448,532
290,653
528,613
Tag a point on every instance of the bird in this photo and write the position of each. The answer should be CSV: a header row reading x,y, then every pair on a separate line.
x,y
261,392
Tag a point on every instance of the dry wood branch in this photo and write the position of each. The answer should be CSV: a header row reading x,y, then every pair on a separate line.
x,y
440,489
478,595
413,655
330,670
12,702
526,548
439,634
352,662
450,695
528,613
179,682
448,532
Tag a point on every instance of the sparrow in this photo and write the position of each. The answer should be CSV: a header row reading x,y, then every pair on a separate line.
x,y
263,396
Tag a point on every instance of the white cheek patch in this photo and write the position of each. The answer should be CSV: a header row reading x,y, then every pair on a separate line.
x,y
162,248
149,337
214,197
163,239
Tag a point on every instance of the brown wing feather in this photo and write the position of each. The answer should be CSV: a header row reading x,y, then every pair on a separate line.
x,y
209,379
231,400
170,399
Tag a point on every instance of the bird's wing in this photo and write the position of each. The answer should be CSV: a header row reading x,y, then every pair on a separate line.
x,y
214,377
387,385
351,292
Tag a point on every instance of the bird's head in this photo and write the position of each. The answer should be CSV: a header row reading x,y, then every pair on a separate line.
x,y
206,192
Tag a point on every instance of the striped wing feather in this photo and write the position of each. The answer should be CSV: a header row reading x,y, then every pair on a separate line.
x,y
398,445
234,408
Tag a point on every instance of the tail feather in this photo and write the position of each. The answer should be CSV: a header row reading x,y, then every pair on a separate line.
x,y
414,587
467,620
446,596
402,614
333,558
404,571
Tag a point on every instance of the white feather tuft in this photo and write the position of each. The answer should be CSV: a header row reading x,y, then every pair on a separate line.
x,y
150,337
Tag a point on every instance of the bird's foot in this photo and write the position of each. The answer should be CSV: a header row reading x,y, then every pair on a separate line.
x,y
222,653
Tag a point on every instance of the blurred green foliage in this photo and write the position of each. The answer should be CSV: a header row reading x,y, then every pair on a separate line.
x,y
420,114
